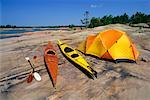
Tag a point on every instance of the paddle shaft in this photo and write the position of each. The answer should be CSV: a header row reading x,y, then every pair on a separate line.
x,y
31,65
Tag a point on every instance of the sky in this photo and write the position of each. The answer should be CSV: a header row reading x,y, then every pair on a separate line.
x,y
64,12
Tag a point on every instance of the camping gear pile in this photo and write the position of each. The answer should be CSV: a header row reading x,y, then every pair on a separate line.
x,y
110,44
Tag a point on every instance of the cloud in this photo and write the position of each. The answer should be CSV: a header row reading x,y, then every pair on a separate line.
x,y
93,6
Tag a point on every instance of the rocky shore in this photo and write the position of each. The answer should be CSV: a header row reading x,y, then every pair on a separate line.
x,y
121,81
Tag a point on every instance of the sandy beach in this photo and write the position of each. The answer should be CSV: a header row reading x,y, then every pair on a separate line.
x,y
121,81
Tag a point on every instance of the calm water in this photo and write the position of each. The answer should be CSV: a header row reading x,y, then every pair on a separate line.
x,y
16,33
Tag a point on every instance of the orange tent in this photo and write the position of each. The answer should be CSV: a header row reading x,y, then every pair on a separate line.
x,y
110,44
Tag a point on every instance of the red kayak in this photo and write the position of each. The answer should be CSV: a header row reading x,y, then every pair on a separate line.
x,y
51,62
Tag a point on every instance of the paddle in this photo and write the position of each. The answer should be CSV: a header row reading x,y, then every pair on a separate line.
x,y
33,73
30,78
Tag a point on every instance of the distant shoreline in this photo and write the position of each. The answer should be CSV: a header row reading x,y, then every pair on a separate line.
x,y
17,32
65,28
15,28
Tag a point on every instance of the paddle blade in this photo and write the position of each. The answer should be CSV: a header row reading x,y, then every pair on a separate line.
x,y
37,76
27,58
30,78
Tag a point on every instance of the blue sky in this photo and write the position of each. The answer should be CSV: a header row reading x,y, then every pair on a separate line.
x,y
64,12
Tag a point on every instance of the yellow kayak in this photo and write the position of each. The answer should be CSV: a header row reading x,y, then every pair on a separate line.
x,y
71,55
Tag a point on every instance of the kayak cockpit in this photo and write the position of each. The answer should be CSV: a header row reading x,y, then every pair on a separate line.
x,y
67,49
51,52
74,55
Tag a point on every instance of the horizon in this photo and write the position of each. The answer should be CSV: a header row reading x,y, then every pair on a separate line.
x,y
64,12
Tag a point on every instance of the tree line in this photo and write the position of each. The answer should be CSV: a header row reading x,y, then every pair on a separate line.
x,y
8,26
138,17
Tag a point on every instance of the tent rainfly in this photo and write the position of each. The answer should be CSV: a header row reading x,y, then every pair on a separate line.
x,y
110,44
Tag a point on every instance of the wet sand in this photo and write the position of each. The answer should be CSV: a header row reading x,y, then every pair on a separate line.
x,y
121,81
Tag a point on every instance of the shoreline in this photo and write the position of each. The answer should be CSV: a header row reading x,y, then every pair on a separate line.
x,y
64,28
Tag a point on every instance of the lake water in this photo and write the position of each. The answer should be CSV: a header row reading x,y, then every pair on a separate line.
x,y
9,33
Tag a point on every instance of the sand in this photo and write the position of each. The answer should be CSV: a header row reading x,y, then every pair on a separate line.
x,y
121,81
